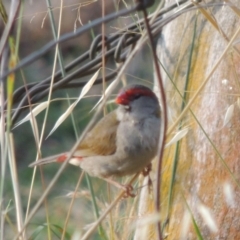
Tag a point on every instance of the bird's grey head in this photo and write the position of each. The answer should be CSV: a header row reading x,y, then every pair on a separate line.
x,y
138,100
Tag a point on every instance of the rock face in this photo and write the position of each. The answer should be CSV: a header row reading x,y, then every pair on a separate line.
x,y
195,53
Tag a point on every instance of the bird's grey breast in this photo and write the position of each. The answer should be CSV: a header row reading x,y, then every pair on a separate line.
x,y
138,137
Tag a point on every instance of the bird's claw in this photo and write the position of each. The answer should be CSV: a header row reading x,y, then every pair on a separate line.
x,y
128,191
145,173
147,170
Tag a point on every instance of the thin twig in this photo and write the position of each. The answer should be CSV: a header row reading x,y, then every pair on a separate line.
x,y
172,127
15,182
9,26
71,205
163,127
66,37
113,204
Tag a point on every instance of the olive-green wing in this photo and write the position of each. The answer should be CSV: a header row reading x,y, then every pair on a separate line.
x,y
101,140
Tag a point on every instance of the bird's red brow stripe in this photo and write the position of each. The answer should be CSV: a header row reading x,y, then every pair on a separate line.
x,y
126,96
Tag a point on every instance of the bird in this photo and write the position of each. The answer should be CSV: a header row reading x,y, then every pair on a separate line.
x,y
123,142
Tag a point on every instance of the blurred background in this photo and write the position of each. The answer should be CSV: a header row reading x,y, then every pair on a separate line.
x,y
35,32
199,182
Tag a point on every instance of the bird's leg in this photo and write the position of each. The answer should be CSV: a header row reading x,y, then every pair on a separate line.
x,y
145,173
150,184
147,170
127,188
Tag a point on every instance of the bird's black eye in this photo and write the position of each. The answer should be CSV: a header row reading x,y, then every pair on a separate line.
x,y
137,96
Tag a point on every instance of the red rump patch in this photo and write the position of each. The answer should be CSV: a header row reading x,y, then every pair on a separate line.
x,y
79,158
63,158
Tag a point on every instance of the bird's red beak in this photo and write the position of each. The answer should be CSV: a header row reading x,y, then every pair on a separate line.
x,y
122,100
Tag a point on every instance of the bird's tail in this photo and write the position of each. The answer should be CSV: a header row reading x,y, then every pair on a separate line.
x,y
55,158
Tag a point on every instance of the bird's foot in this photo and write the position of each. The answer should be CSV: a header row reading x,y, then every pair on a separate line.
x,y
147,170
127,188
128,191
150,185
146,173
